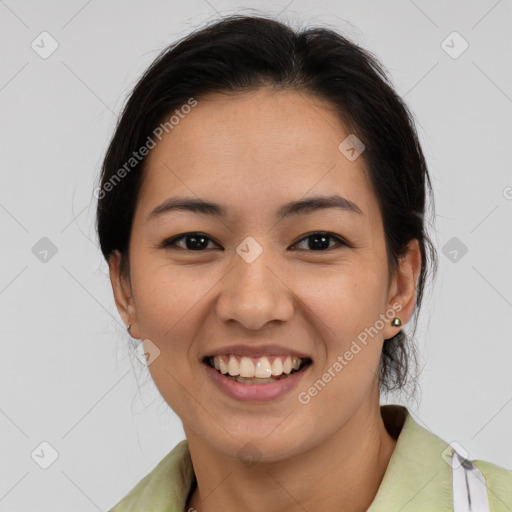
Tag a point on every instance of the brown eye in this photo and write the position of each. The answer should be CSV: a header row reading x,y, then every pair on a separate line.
x,y
192,241
320,241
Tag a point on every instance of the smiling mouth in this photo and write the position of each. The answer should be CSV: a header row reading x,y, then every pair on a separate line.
x,y
256,370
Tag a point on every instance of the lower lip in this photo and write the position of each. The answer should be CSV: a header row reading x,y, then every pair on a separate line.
x,y
255,392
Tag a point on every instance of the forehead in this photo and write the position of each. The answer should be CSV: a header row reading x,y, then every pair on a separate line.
x,y
254,148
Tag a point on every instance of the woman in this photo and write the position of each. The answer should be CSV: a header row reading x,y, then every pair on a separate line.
x,y
262,211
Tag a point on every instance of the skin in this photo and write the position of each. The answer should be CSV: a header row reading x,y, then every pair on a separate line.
x,y
252,153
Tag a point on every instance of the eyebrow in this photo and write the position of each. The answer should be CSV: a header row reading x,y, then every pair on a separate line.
x,y
302,206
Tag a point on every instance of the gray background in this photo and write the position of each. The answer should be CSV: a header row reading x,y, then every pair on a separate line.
x,y
68,373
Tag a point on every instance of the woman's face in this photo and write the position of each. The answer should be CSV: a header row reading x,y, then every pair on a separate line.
x,y
252,278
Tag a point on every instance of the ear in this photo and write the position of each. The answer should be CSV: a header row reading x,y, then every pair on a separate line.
x,y
121,287
402,291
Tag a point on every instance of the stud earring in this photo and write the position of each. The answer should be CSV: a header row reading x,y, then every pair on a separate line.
x,y
128,329
396,322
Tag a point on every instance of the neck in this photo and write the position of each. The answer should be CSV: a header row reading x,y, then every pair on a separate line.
x,y
341,473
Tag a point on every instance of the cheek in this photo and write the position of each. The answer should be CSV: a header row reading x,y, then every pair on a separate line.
x,y
348,300
349,304
169,309
167,296
347,308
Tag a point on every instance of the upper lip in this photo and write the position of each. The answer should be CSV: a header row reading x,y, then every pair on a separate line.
x,y
257,351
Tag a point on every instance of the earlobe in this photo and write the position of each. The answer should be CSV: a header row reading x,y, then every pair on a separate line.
x,y
121,289
403,295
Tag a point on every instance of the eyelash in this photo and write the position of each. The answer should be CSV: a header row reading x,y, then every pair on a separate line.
x,y
171,242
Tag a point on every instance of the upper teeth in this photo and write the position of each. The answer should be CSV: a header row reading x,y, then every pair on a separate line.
x,y
255,367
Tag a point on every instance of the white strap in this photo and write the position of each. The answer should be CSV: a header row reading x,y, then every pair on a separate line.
x,y
469,487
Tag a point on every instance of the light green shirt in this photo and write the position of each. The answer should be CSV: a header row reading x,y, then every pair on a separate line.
x,y
418,477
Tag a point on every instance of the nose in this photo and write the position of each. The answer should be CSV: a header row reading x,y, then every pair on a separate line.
x,y
255,294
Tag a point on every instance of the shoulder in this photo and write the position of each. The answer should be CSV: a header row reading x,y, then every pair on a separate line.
x,y
165,488
499,485
424,473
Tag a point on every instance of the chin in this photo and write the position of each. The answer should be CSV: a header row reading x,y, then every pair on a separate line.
x,y
265,446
